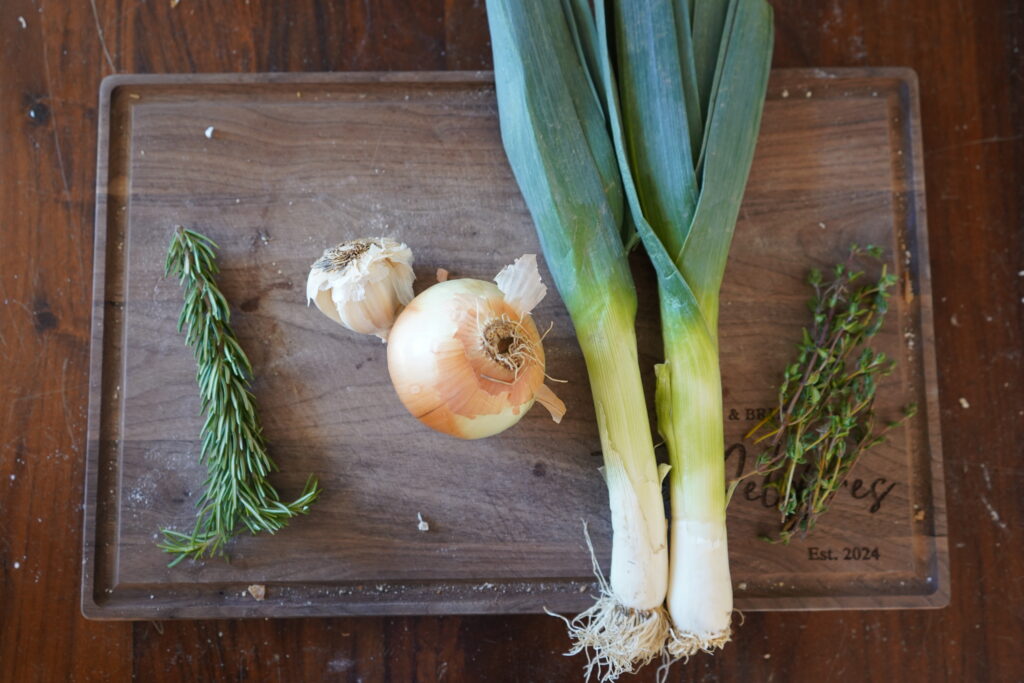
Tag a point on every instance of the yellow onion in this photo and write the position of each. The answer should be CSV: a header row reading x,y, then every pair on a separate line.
x,y
465,355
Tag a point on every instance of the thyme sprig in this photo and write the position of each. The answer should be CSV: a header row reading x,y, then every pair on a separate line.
x,y
825,418
237,493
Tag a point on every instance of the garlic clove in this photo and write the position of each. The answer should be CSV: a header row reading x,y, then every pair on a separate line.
x,y
363,284
326,305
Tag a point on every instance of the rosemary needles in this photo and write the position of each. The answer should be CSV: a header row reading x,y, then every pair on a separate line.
x,y
237,493
825,419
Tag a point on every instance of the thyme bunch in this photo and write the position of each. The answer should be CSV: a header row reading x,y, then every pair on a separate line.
x,y
237,494
825,418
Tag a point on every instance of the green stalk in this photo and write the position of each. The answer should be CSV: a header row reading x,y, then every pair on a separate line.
x,y
638,569
689,405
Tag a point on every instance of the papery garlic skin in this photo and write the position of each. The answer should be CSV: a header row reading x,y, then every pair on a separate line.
x,y
466,358
363,284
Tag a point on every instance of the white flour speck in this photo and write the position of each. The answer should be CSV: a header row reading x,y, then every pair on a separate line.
x,y
991,513
987,477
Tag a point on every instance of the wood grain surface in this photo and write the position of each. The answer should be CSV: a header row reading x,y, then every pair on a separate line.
x,y
275,167
968,59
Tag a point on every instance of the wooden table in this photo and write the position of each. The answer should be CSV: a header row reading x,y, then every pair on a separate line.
x,y
968,57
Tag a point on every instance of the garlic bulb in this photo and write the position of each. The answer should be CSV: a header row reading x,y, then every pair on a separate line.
x,y
465,356
362,284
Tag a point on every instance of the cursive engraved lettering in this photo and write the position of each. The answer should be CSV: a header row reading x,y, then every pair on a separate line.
x,y
761,490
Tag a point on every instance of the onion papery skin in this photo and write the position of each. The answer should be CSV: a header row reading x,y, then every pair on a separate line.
x,y
440,367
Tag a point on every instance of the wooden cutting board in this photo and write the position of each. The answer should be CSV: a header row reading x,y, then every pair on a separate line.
x,y
276,167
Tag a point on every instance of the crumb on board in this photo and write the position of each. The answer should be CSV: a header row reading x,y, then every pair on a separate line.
x,y
742,586
421,523
821,225
24,24
785,93
964,404
807,94
208,132
174,3
258,591
919,515
442,275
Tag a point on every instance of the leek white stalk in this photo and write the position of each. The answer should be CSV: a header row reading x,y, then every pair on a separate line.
x,y
626,627
689,404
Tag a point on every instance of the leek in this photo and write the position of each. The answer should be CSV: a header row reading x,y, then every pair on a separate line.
x,y
683,68
555,135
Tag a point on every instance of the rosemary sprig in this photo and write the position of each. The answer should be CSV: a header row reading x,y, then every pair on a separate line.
x,y
825,419
237,493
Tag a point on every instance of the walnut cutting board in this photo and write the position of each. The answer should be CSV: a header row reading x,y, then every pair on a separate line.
x,y
296,163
